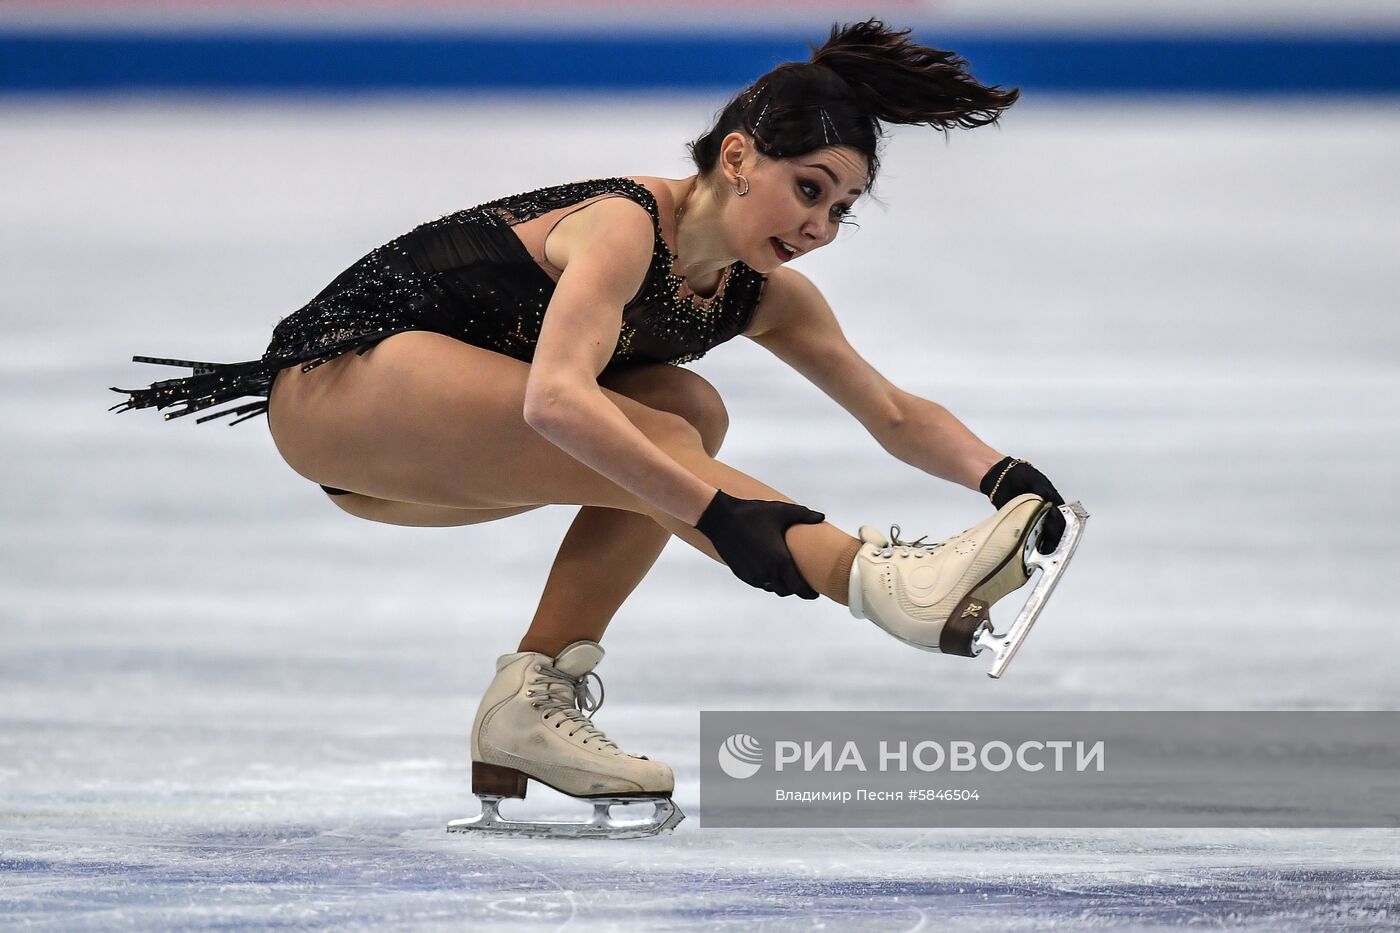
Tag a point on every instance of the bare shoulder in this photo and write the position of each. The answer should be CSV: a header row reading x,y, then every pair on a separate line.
x,y
789,299
661,189
614,226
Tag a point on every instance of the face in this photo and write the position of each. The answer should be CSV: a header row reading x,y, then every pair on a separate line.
x,y
798,201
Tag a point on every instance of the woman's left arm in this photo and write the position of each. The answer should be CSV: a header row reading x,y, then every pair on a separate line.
x,y
795,323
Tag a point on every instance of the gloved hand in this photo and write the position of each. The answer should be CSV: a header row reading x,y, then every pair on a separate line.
x,y
1022,477
748,534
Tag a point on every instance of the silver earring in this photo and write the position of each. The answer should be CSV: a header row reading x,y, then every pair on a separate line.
x,y
745,189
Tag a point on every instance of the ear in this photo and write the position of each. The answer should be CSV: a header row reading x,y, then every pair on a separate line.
x,y
734,153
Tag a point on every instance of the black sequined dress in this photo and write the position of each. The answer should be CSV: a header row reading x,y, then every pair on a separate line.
x,y
470,277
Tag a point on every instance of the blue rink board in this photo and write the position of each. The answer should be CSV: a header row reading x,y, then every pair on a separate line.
x,y
264,62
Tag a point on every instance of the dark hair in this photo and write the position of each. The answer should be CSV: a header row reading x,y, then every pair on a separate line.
x,y
864,75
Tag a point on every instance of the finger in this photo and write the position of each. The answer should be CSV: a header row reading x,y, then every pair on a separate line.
x,y
1051,533
800,514
789,581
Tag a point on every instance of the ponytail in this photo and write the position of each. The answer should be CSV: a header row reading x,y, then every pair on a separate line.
x,y
864,75
903,82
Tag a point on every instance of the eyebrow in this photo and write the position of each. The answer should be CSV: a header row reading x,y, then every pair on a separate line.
x,y
834,180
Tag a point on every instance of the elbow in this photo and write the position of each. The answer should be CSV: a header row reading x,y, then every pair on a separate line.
x,y
546,404
887,426
539,408
893,415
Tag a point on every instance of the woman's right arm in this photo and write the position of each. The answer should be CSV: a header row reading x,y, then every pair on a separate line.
x,y
605,251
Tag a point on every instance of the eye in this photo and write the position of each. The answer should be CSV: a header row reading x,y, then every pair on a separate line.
x,y
814,191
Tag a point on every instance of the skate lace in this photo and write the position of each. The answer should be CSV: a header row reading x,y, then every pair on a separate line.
x,y
917,548
569,702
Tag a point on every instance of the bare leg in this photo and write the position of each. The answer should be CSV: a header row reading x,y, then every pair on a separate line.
x,y
607,552
603,558
415,515
426,419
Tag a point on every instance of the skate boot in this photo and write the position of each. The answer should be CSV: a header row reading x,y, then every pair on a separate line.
x,y
938,596
535,723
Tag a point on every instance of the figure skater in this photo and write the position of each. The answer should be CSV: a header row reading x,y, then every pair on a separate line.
x,y
523,353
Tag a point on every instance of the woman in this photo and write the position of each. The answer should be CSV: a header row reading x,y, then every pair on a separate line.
x,y
517,354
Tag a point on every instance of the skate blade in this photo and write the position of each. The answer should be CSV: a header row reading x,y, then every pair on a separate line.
x,y
601,825
1050,566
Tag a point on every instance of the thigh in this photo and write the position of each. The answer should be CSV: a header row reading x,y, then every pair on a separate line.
x,y
413,515
427,419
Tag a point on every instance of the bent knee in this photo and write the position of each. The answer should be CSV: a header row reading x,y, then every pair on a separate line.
x,y
710,418
670,431
681,393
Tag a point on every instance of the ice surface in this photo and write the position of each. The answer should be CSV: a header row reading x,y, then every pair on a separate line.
x,y
225,703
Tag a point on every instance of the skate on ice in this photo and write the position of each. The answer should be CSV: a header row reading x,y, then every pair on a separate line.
x,y
535,724
938,597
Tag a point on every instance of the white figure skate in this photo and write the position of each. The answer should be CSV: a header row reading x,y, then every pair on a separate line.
x,y
535,723
938,597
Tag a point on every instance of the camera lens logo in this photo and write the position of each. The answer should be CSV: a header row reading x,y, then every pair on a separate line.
x,y
740,756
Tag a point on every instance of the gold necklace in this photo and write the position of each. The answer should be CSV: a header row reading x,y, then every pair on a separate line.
x,y
685,285
680,212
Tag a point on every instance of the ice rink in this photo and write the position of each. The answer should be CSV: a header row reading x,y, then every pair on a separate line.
x,y
224,703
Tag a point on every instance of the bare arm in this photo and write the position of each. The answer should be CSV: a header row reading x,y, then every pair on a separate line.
x,y
605,251
797,325
931,438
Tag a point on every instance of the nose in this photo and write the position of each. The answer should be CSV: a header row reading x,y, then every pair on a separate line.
x,y
819,229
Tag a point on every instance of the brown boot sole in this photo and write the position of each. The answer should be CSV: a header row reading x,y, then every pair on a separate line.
x,y
500,781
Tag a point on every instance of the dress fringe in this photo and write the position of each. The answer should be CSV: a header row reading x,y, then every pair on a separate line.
x,y
211,384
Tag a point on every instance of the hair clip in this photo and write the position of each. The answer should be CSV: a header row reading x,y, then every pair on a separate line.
x,y
760,115
827,121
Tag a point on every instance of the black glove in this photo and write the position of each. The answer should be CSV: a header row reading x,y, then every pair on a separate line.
x,y
1023,478
748,534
